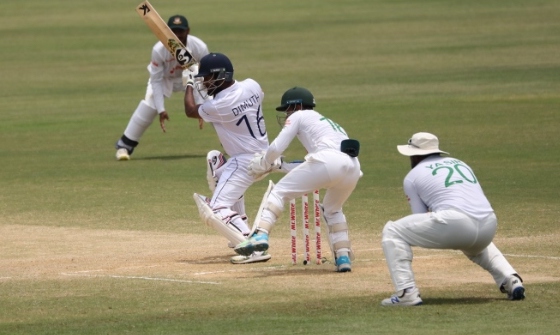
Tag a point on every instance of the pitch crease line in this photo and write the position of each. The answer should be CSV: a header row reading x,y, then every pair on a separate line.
x,y
533,256
146,278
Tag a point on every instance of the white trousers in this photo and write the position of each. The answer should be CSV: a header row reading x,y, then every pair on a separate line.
x,y
233,182
447,229
332,170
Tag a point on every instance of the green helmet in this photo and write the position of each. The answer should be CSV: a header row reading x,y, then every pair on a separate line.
x,y
296,95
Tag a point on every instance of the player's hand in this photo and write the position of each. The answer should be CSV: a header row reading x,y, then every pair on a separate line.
x,y
194,69
277,164
162,117
258,167
200,123
188,77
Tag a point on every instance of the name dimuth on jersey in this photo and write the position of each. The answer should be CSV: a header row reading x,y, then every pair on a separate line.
x,y
246,104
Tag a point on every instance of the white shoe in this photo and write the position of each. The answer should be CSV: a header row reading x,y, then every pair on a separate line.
x,y
122,154
513,286
408,297
254,258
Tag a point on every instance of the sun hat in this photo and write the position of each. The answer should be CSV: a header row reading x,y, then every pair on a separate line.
x,y
421,144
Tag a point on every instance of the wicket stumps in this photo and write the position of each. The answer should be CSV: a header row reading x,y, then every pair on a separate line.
x,y
305,225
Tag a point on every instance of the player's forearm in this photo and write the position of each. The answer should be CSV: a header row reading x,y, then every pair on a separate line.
x,y
191,108
278,146
273,152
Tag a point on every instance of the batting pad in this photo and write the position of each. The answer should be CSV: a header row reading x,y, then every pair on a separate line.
x,y
264,202
215,221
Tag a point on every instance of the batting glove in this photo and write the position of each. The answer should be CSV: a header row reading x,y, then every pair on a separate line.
x,y
194,69
188,78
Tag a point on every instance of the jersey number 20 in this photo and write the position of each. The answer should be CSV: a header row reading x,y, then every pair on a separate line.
x,y
457,179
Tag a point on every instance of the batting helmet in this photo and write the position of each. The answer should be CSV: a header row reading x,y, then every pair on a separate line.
x,y
216,63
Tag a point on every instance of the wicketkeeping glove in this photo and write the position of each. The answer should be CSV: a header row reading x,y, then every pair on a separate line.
x,y
258,167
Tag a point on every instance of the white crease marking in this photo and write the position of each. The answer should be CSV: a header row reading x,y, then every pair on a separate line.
x,y
533,256
145,278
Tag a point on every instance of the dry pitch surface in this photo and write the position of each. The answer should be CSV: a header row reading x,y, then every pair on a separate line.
x,y
47,253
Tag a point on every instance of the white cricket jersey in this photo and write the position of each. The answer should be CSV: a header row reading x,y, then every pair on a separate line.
x,y
165,71
236,114
439,183
313,130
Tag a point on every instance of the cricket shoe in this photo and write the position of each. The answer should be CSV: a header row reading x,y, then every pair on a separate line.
x,y
122,154
253,258
343,264
232,245
407,297
257,242
513,286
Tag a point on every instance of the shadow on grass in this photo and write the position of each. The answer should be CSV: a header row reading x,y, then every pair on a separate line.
x,y
169,158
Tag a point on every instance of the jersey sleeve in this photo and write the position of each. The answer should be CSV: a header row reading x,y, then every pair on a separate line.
x,y
417,206
283,140
156,79
208,112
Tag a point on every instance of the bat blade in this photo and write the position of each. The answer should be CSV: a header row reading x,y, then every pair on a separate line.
x,y
166,36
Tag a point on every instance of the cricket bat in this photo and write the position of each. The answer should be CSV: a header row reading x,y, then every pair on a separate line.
x,y
165,34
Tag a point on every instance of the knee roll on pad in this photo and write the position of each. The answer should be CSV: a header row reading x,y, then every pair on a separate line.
x,y
274,209
215,160
335,228
334,217
270,218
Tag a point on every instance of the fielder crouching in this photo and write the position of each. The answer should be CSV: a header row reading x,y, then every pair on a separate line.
x,y
449,211
331,164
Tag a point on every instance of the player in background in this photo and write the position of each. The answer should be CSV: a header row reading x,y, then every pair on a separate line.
x,y
450,211
331,164
237,117
165,78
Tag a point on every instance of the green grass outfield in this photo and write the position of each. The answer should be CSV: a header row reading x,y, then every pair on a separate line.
x,y
89,245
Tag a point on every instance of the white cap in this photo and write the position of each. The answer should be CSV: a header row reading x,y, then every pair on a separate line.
x,y
421,144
